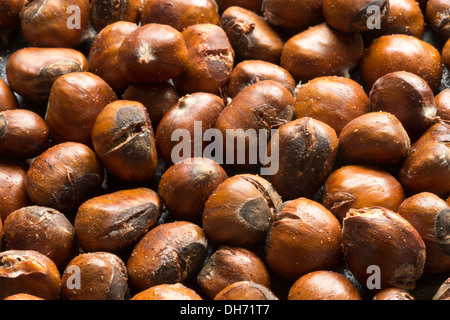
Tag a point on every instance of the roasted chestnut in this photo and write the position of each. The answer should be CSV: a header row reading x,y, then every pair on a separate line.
x,y
251,36
12,187
104,53
442,100
175,291
240,211
55,23
114,221
64,176
382,249
358,186
22,296
210,60
304,152
31,72
123,138
331,99
74,103
245,290
9,18
437,13
104,13
321,51
8,100
393,294
304,237
405,17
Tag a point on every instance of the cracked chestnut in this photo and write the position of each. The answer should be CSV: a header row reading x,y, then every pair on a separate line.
x,y
123,139
114,221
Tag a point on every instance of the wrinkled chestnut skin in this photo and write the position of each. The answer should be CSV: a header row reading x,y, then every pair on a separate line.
x,y
23,134
426,165
28,271
443,293
321,51
352,15
191,111
228,265
304,237
64,176
179,14
186,186
438,16
176,291
74,103
12,187
102,276
157,98
400,52
31,72
307,151
264,105
9,18
245,290
375,138
114,221
251,36
381,237
442,100
253,5
8,100
358,186
169,253
124,140
41,229
393,294
153,53
430,216
408,97
405,17
210,60
45,23
104,13
249,72
293,15
104,54
22,296
240,211
323,285
331,99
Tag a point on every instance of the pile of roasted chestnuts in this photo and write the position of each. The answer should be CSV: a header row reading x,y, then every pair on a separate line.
x,y
224,150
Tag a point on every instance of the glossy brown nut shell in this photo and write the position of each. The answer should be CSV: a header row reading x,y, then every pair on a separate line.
x,y
210,60
49,23
22,296
323,285
41,229
114,221
28,271
104,53
401,52
169,253
8,100
307,150
12,187
375,138
180,14
176,291
104,13
249,72
393,294
430,216
240,211
405,17
442,100
31,72
153,53
321,51
64,176
192,111
376,236
186,186
438,16
331,99
75,101
228,265
358,186
23,134
304,237
245,290
251,36
95,276
446,53
124,140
